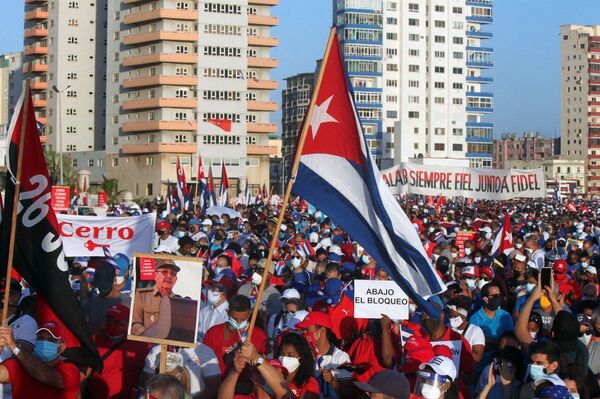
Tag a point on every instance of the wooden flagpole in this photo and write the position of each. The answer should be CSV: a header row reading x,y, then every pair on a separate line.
x,y
163,359
291,181
15,208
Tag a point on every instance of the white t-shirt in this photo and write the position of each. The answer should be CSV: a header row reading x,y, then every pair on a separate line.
x,y
171,242
211,316
336,358
474,335
24,329
538,258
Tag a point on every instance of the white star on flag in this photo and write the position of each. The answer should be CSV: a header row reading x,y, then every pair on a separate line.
x,y
508,237
320,116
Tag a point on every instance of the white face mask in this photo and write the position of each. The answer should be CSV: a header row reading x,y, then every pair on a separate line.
x,y
586,338
518,245
213,297
481,283
533,334
477,259
574,395
296,263
256,278
290,363
430,392
412,308
365,259
434,257
455,322
467,251
454,255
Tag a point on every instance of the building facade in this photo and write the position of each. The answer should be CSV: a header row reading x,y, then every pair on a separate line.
x,y
295,99
417,71
191,79
530,146
580,99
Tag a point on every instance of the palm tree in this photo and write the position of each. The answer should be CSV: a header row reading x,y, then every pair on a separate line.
x,y
111,188
53,164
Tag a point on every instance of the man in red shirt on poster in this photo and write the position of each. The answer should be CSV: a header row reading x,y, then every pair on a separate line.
x,y
41,374
123,359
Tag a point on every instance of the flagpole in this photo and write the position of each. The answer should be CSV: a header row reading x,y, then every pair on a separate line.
x,y
13,224
290,182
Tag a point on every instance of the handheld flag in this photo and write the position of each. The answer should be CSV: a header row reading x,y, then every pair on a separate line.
x,y
84,193
503,243
337,174
38,251
224,185
75,199
201,189
223,124
211,187
182,189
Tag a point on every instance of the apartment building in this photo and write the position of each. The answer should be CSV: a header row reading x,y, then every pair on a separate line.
x,y
189,79
580,99
295,99
528,147
64,55
417,69
11,78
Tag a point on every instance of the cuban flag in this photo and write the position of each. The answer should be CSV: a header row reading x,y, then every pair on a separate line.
x,y
84,198
224,185
211,187
201,191
337,174
75,199
503,244
182,189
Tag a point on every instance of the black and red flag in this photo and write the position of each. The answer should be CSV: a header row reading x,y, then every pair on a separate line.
x,y
38,251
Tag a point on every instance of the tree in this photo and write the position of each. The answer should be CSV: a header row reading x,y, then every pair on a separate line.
x,y
53,164
111,188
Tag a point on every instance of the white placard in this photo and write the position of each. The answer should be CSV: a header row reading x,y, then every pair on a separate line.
x,y
455,347
372,298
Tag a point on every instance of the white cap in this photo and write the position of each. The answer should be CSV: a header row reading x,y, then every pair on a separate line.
x,y
207,222
313,237
487,229
283,227
590,269
580,226
335,249
162,248
290,293
520,257
442,366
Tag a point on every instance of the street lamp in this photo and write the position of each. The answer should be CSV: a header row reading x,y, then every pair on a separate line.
x,y
283,171
58,117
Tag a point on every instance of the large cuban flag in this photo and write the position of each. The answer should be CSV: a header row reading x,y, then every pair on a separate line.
x,y
338,175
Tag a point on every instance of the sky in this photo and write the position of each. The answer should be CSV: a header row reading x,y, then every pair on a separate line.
x,y
526,52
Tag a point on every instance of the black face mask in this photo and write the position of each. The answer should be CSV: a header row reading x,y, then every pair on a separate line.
x,y
493,303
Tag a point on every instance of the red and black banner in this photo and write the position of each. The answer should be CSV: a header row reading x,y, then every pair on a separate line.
x,y
38,252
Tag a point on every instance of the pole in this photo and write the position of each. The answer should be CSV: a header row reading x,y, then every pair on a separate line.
x,y
163,359
13,224
60,150
290,183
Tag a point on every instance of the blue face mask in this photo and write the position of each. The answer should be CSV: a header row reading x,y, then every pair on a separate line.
x,y
46,351
214,247
180,234
238,326
536,371
530,287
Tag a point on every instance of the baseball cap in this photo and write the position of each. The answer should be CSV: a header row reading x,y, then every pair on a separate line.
x,y
584,320
590,269
118,312
207,222
551,378
222,281
163,225
536,318
387,382
122,262
560,266
315,318
166,263
290,294
442,366
470,271
53,328
488,271
313,237
194,221
104,277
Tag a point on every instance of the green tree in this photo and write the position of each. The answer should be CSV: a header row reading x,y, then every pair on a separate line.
x,y
53,164
111,188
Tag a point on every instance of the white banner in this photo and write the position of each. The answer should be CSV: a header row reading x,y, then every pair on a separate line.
x,y
87,235
374,298
455,348
487,184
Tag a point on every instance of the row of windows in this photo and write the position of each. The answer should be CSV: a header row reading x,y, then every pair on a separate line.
x,y
235,118
221,139
367,97
363,19
221,95
231,30
362,34
363,66
223,73
223,8
479,102
362,50
223,51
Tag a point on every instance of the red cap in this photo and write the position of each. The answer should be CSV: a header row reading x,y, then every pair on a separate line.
x,y
560,266
53,328
470,271
488,271
315,319
222,280
163,225
118,312
442,350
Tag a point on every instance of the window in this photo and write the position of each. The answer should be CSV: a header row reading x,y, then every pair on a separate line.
x,y
181,93
457,40
73,22
413,99
181,138
413,37
72,147
388,51
221,95
457,10
439,85
440,24
413,114
391,83
439,131
413,7
392,67
439,54
439,8
413,22
440,39
413,83
439,69
71,75
458,25
149,161
115,119
72,40
71,93
115,140
73,4
457,132
457,86
392,21
90,163
182,49
457,55
439,100
182,71
457,101
71,129
391,36
413,68
99,162
182,5
222,51
71,111
413,52
180,116
457,71
391,114
115,162
439,147
72,57
457,147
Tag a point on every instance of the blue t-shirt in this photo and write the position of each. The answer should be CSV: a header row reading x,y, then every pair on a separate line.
x,y
495,327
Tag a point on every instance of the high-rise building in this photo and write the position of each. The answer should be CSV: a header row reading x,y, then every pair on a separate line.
x,y
11,81
64,55
580,99
189,78
295,99
530,147
416,71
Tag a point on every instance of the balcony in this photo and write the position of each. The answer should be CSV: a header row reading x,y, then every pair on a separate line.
x,y
479,110
479,19
160,57
163,13
479,94
37,50
39,103
262,84
263,20
263,41
479,34
160,103
479,3
253,127
255,149
35,67
38,13
479,79
149,126
261,62
36,32
41,120
161,35
263,2
160,80
269,106
159,148
38,85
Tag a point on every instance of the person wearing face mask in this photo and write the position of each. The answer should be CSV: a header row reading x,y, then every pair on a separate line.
x,y
566,285
292,312
226,338
458,312
123,359
187,247
435,378
536,254
386,384
163,237
544,363
270,302
469,250
215,310
561,248
490,318
470,275
301,278
519,244
575,383
534,325
41,374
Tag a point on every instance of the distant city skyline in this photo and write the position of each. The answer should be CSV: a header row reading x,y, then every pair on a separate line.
x,y
526,53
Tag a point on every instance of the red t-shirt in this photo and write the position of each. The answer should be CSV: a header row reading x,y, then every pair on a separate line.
x,y
26,387
121,370
310,386
223,340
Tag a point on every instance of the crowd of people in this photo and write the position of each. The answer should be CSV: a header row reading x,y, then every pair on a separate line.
x,y
521,323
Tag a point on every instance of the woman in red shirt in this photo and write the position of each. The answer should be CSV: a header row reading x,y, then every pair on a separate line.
x,y
297,358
